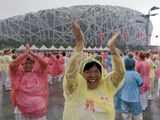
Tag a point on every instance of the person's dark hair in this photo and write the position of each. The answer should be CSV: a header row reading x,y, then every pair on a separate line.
x,y
142,55
129,63
63,53
6,51
99,58
57,56
109,53
13,50
147,55
91,64
28,59
130,55
14,57
124,53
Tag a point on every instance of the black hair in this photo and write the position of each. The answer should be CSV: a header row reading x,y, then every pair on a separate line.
x,y
91,64
129,63
28,59
63,53
147,55
142,55
124,53
99,58
14,57
13,50
57,56
130,55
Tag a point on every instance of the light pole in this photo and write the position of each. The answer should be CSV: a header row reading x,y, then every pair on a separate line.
x,y
147,23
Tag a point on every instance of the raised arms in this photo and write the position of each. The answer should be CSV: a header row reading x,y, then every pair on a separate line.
x,y
73,66
118,70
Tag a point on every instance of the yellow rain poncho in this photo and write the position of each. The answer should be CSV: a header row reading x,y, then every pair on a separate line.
x,y
82,103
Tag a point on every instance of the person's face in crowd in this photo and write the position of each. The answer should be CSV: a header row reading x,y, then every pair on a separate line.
x,y
28,65
92,76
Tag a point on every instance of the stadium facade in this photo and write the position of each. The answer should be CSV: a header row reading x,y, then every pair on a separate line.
x,y
53,26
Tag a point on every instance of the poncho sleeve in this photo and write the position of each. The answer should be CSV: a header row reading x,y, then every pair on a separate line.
x,y
72,78
71,74
14,73
118,70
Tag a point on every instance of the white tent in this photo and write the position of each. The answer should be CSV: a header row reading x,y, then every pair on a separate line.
x,y
34,47
95,48
43,47
69,48
61,48
106,49
85,49
22,47
53,48
101,49
89,48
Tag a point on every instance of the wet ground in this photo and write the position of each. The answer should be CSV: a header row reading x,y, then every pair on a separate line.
x,y
56,101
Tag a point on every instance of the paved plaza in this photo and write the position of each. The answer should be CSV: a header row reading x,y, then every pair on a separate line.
x,y
56,103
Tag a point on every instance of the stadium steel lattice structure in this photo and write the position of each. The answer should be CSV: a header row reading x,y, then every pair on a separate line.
x,y
53,26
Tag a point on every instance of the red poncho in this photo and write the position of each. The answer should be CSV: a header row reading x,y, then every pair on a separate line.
x,y
30,90
56,66
143,68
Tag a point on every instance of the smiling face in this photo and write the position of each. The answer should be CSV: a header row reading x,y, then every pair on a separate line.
x,y
92,74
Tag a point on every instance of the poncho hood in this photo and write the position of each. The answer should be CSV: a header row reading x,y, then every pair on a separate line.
x,y
88,60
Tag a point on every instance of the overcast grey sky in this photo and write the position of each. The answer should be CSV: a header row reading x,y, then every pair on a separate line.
x,y
15,7
10,8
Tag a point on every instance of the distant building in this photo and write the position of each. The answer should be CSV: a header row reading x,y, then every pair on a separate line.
x,y
53,26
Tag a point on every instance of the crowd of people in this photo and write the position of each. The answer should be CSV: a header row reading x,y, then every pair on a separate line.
x,y
95,85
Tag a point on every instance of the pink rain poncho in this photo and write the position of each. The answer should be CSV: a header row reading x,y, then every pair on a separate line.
x,y
61,65
29,89
143,68
56,66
